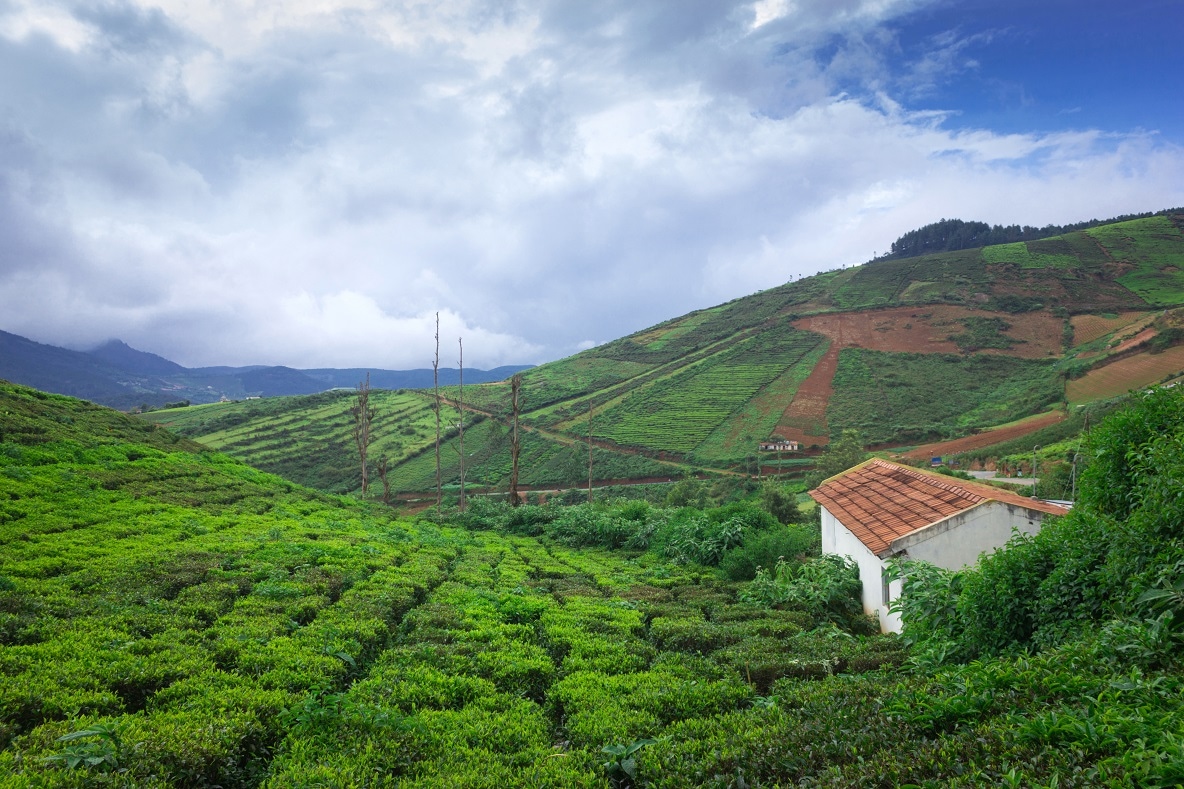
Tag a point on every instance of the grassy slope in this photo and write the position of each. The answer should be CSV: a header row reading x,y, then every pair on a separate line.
x,y
706,387
237,631
241,631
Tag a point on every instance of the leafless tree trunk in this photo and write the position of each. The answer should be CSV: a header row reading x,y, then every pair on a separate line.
x,y
460,404
589,451
383,466
363,416
515,445
436,385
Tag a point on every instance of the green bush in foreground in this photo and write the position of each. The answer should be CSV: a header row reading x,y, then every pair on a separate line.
x,y
1109,564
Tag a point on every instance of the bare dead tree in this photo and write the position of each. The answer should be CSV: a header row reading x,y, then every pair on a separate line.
x,y
460,404
589,451
383,467
436,386
515,444
363,415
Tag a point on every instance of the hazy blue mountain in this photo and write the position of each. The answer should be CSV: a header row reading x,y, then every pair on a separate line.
x,y
119,354
120,376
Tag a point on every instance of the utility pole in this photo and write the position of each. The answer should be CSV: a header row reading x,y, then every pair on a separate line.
x,y
436,386
1034,475
515,445
589,451
460,403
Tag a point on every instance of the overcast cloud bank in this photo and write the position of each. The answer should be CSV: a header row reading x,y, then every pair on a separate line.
x,y
310,183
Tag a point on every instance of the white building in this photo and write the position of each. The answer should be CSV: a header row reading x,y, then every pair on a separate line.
x,y
881,510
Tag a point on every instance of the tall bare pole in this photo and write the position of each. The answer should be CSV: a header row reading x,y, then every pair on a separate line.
x,y
436,385
460,404
383,468
589,451
363,415
515,391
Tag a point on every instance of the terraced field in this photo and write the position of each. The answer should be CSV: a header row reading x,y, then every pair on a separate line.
x,y
1120,377
1087,328
804,419
681,411
309,439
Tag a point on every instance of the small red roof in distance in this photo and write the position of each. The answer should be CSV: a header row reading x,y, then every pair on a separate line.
x,y
880,501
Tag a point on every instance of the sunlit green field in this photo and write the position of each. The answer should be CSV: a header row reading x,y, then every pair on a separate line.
x,y
170,617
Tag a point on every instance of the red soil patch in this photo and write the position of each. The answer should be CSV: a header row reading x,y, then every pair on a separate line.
x,y
1087,328
986,438
1135,339
898,330
1134,372
927,329
805,418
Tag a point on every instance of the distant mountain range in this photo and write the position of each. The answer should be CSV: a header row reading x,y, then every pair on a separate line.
x,y
117,375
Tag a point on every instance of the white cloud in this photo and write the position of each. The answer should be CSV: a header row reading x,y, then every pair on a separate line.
x,y
23,19
226,183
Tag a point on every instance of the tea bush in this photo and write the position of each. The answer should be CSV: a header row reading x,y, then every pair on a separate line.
x,y
193,622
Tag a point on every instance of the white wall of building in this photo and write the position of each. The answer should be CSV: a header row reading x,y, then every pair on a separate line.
x,y
959,540
953,543
838,539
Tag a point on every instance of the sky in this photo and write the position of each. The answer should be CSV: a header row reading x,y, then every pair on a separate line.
x,y
310,183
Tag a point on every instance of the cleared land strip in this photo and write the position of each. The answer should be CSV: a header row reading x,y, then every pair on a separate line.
x,y
804,419
1087,328
987,438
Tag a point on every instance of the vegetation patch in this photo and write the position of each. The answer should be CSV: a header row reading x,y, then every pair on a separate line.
x,y
983,333
1150,249
910,397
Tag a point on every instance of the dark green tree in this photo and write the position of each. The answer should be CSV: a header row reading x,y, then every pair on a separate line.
x,y
780,502
840,455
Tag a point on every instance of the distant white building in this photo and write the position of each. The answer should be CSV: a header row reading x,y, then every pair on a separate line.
x,y
779,445
881,510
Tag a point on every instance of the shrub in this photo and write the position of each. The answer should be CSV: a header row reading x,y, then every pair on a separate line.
x,y
766,549
1100,561
780,502
827,588
695,538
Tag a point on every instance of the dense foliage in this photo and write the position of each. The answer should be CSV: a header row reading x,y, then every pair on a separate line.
x,y
170,617
947,235
1110,571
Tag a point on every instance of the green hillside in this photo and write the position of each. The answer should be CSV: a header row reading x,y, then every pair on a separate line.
x,y
170,617
309,440
908,351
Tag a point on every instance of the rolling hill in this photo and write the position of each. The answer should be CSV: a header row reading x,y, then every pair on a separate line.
x,y
906,351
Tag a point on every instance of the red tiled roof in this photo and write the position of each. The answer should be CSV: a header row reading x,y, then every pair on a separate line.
x,y
880,501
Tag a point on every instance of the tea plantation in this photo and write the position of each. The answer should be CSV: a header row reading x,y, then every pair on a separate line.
x,y
170,617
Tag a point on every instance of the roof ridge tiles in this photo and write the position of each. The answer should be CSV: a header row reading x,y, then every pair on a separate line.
x,y
886,500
